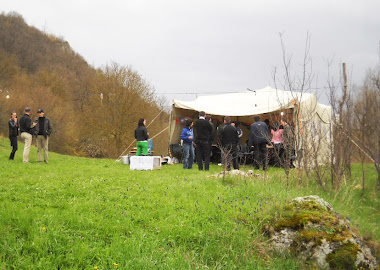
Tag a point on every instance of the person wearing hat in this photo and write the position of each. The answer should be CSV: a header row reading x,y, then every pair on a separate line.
x,y
42,132
26,130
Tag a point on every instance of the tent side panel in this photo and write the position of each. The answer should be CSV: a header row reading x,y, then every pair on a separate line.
x,y
174,126
315,140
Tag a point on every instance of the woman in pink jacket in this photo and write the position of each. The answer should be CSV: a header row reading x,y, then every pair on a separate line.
x,y
277,143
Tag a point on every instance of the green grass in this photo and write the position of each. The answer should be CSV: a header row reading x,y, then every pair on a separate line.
x,y
79,213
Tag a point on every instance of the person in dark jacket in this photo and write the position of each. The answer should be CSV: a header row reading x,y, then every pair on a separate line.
x,y
202,134
287,144
187,137
219,139
238,129
13,133
42,131
229,140
142,136
209,119
26,130
259,138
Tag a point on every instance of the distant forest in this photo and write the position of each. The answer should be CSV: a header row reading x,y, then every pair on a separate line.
x,y
94,111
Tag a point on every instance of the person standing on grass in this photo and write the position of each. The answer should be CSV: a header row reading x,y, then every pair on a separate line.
x,y
26,129
288,144
142,136
202,134
277,142
219,130
209,119
42,131
259,138
13,133
238,129
229,140
187,137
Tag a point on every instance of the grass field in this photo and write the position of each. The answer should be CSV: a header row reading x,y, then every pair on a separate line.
x,y
79,213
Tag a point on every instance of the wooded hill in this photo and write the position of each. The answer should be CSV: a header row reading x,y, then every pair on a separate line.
x,y
41,70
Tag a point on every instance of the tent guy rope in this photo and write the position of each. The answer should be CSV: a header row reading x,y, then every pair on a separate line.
x,y
118,159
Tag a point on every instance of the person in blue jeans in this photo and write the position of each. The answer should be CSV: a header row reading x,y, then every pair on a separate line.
x,y
187,137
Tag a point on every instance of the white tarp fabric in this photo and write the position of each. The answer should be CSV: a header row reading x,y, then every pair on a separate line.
x,y
311,114
249,102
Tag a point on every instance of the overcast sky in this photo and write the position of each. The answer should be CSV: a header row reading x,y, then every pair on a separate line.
x,y
204,46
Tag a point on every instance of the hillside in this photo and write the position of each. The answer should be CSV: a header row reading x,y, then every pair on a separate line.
x,y
41,70
81,213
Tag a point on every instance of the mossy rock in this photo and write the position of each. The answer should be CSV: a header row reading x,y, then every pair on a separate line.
x,y
311,202
309,226
344,257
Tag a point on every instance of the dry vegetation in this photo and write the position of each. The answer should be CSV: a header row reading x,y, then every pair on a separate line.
x,y
41,70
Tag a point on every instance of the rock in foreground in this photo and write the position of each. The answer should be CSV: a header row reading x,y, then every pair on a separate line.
x,y
310,227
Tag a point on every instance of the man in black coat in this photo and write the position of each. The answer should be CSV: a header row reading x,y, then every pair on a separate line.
x,y
13,133
26,130
259,138
229,139
202,134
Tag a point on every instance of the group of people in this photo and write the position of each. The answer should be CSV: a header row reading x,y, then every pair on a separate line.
x,y
280,139
199,136
41,128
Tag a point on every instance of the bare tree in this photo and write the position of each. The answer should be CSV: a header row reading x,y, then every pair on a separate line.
x,y
341,103
298,82
367,114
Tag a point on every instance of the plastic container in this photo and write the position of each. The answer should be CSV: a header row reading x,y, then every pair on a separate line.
x,y
125,159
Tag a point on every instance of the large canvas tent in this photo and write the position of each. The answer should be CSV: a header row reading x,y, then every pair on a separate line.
x,y
311,119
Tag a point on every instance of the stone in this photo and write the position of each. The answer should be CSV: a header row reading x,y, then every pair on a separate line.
x,y
312,229
235,173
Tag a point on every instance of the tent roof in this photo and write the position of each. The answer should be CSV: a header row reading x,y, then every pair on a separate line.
x,y
245,103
